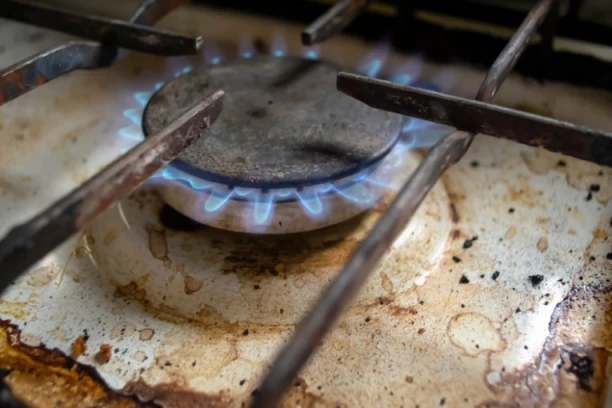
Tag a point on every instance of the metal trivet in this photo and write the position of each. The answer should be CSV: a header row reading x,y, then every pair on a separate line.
x,y
26,244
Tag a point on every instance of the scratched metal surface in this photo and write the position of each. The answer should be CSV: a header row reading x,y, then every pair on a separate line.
x,y
195,317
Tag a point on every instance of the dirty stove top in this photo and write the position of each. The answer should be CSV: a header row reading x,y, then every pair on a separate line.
x,y
498,291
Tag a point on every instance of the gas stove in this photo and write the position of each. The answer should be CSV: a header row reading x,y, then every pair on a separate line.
x,y
493,291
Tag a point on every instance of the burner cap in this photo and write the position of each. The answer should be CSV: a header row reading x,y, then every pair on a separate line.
x,y
283,124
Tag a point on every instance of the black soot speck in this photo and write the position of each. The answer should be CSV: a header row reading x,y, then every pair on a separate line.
x,y
582,367
495,275
464,280
456,259
257,113
467,243
594,188
536,279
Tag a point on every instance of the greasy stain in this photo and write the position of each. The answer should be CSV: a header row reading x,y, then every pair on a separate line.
x,y
157,242
146,334
192,285
42,275
18,310
474,334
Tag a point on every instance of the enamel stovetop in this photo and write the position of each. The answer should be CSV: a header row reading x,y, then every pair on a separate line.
x,y
198,315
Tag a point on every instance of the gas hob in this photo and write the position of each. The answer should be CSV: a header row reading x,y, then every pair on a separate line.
x,y
496,291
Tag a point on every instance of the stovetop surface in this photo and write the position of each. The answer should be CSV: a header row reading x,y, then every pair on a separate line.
x,y
497,291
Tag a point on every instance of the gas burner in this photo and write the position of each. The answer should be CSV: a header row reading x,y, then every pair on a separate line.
x,y
288,154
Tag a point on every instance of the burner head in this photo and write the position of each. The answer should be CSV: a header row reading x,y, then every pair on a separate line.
x,y
289,153
283,124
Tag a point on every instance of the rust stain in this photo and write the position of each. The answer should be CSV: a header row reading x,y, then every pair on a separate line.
x,y
104,355
55,377
78,347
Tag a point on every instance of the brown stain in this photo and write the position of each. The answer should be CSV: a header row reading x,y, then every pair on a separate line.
x,y
579,174
78,347
57,379
42,275
24,134
298,395
157,242
454,213
580,328
173,396
456,234
386,282
209,315
110,236
11,189
192,285
131,290
146,334
542,244
474,333
600,234
253,258
18,310
104,354
510,233
73,135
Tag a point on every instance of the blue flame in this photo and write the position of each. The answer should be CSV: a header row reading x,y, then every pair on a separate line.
x,y
247,49
415,133
212,54
311,52
375,60
279,46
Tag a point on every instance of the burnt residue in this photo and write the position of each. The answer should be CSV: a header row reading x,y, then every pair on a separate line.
x,y
535,280
583,368
174,220
454,213
172,396
251,256
56,377
570,370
